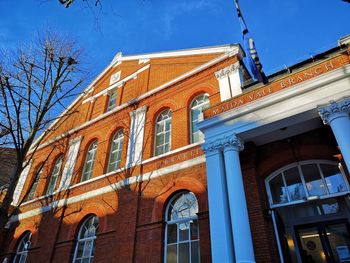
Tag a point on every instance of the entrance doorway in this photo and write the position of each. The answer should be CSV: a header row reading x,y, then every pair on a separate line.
x,y
327,242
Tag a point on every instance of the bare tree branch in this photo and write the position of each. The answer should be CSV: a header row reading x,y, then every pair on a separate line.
x,y
36,82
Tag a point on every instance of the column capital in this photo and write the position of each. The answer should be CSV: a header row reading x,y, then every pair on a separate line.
x,y
222,73
223,143
233,142
334,109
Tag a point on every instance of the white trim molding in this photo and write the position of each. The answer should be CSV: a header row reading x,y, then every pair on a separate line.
x,y
109,188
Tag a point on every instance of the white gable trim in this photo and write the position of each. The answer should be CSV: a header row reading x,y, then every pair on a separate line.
x,y
233,51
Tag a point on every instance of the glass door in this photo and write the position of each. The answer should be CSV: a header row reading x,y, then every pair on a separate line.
x,y
324,242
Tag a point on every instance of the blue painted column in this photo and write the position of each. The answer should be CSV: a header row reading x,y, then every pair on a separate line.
x,y
337,116
242,237
219,216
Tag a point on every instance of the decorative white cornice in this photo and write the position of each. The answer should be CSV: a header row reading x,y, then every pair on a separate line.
x,y
142,109
344,40
334,109
115,77
222,143
75,140
227,71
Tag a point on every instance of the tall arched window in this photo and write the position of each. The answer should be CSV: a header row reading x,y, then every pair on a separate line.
x,y
115,154
305,180
89,162
163,133
182,232
199,104
85,248
55,173
22,248
34,185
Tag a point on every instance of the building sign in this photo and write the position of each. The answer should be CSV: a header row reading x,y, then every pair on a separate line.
x,y
281,84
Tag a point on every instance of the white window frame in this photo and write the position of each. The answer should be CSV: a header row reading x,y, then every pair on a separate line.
x,y
86,240
116,150
161,121
86,175
188,219
54,175
21,256
308,197
202,102
112,99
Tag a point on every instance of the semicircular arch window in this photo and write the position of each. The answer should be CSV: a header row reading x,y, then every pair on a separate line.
x,y
306,180
182,231
85,247
23,247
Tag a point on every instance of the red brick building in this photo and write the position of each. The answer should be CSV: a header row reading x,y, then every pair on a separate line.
x,y
122,176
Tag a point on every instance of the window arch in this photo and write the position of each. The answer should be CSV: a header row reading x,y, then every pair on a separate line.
x,y
89,162
85,247
23,247
197,106
115,153
34,185
306,180
54,175
163,133
182,232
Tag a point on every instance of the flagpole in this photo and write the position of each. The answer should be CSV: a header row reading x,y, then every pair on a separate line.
x,y
252,58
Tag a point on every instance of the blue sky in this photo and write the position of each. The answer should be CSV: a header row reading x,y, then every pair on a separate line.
x,y
285,31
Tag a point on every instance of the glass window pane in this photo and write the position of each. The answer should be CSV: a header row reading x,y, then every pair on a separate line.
x,y
334,178
195,114
314,183
184,253
184,231
194,230
80,249
294,184
339,239
278,191
195,252
171,255
168,125
87,248
172,233
160,127
167,137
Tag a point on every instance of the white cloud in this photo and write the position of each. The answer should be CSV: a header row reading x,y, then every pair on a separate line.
x,y
174,10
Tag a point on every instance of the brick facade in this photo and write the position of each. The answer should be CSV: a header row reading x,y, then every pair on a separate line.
x,y
130,203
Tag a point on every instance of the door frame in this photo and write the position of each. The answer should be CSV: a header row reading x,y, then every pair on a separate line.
x,y
323,237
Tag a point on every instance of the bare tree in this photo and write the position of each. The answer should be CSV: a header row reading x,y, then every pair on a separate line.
x,y
36,81
67,3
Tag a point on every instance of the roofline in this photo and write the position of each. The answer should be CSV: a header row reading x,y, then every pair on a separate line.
x,y
230,49
174,53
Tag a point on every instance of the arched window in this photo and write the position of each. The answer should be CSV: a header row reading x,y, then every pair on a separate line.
x,y
115,154
22,248
199,104
163,133
85,248
34,185
305,180
55,173
112,100
89,162
182,232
